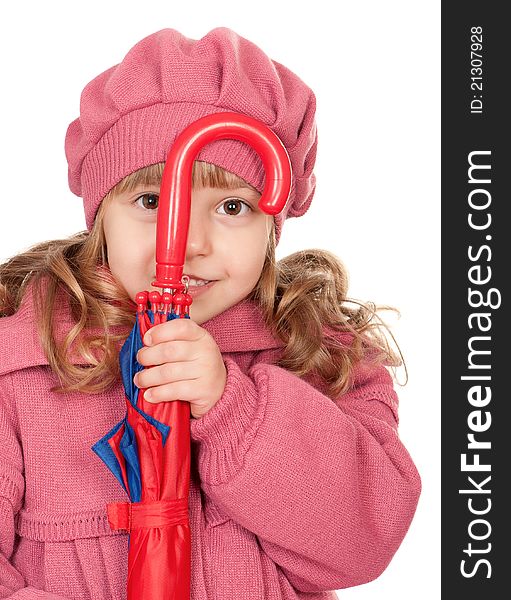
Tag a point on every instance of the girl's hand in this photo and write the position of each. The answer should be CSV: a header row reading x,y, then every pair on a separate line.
x,y
183,363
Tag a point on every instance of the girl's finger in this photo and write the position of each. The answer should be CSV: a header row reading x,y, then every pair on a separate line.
x,y
166,373
166,352
179,390
176,329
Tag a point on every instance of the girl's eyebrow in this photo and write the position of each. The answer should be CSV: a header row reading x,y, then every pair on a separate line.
x,y
254,195
247,190
158,185
152,185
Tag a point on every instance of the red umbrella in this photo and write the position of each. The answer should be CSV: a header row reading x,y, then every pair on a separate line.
x,y
149,450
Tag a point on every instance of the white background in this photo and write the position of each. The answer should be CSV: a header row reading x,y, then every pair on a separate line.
x,y
375,69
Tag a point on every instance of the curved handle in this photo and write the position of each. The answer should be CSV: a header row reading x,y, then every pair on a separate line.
x,y
176,189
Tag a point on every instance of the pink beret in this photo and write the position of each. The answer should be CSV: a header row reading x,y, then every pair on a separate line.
x,y
131,114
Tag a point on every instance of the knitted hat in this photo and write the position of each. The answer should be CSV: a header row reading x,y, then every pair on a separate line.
x,y
131,114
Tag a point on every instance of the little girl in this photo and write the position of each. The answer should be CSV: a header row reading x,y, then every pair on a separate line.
x,y
299,482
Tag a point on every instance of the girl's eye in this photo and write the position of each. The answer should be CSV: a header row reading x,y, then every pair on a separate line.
x,y
233,206
147,201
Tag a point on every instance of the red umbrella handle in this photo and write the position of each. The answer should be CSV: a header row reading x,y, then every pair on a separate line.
x,y
175,192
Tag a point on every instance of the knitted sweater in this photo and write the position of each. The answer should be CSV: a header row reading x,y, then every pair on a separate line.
x,y
291,493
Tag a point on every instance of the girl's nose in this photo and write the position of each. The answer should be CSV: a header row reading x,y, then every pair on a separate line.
x,y
199,235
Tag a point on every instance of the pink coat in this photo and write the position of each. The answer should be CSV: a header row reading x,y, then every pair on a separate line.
x,y
291,494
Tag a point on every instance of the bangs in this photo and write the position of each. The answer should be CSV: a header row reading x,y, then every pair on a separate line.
x,y
203,175
209,175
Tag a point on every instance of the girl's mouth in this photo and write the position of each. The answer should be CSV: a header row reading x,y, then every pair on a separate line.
x,y
196,288
198,282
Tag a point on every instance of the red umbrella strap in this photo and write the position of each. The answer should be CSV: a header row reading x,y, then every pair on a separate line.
x,y
153,513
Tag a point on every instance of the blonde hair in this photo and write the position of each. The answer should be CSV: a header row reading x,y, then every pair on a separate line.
x,y
303,299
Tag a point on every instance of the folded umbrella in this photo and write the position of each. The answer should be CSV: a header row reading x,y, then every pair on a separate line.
x,y
149,450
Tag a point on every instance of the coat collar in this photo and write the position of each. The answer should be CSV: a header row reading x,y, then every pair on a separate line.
x,y
240,328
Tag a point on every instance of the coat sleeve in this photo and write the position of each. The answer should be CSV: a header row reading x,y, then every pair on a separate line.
x,y
12,486
327,487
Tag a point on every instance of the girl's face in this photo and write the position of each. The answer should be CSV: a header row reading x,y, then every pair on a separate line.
x,y
227,242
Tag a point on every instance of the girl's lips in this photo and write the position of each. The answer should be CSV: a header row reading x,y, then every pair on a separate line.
x,y
197,290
